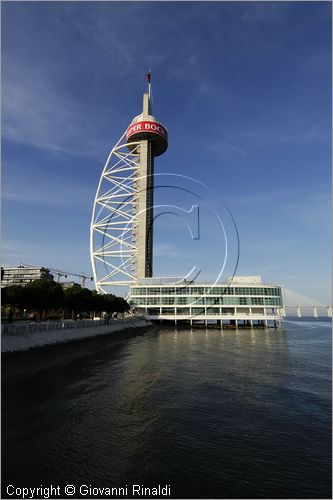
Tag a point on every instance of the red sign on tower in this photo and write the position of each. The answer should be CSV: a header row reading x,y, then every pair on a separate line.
x,y
146,127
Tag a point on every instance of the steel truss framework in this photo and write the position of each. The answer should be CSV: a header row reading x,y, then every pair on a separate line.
x,y
113,248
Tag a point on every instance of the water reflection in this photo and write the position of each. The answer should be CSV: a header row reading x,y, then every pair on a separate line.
x,y
215,413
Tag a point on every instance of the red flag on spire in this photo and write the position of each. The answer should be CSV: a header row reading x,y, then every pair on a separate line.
x,y
148,76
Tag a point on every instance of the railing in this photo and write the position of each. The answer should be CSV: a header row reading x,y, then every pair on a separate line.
x,y
238,316
26,328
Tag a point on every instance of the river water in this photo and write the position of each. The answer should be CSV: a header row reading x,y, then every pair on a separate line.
x,y
213,414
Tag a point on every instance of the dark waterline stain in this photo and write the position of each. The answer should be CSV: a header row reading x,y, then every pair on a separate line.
x,y
214,414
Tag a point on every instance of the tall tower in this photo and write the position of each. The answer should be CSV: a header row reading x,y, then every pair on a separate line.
x,y
153,139
121,231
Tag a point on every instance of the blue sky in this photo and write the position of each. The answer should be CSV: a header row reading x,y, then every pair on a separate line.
x,y
244,89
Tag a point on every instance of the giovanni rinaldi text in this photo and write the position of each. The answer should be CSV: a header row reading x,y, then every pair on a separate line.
x,y
70,490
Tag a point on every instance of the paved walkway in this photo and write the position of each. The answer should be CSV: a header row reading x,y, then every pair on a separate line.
x,y
15,343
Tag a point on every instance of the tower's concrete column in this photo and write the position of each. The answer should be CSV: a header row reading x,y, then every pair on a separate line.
x,y
145,203
144,267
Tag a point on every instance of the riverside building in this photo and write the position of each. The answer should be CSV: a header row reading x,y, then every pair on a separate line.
x,y
23,275
242,301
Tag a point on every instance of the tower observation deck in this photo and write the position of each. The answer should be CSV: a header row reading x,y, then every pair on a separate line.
x,y
121,232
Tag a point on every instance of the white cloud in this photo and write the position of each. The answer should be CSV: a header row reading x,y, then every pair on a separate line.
x,y
317,133
313,211
295,199
226,147
263,12
53,194
37,113
46,254
269,267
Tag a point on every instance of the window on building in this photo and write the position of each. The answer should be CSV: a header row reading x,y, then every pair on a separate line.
x,y
153,312
213,310
213,300
168,311
183,311
228,310
181,300
167,300
257,301
196,311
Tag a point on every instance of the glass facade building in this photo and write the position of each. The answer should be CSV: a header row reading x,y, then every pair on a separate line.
x,y
241,301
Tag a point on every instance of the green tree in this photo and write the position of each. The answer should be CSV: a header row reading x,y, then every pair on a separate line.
x,y
97,302
122,304
43,295
110,303
78,300
14,297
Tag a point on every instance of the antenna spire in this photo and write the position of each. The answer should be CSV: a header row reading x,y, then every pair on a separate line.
x,y
149,83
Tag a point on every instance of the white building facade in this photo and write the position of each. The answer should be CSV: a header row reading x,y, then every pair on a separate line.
x,y
23,275
242,301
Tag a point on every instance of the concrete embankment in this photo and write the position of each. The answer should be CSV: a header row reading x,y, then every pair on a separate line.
x,y
20,343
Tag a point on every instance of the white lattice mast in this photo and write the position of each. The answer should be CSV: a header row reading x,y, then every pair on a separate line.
x,y
121,232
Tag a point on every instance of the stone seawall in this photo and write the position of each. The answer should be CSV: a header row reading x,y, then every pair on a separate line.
x,y
18,343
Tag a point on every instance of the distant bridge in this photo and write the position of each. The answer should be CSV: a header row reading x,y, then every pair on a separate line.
x,y
299,305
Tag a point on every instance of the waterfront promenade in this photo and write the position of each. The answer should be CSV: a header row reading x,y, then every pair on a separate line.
x,y
22,337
